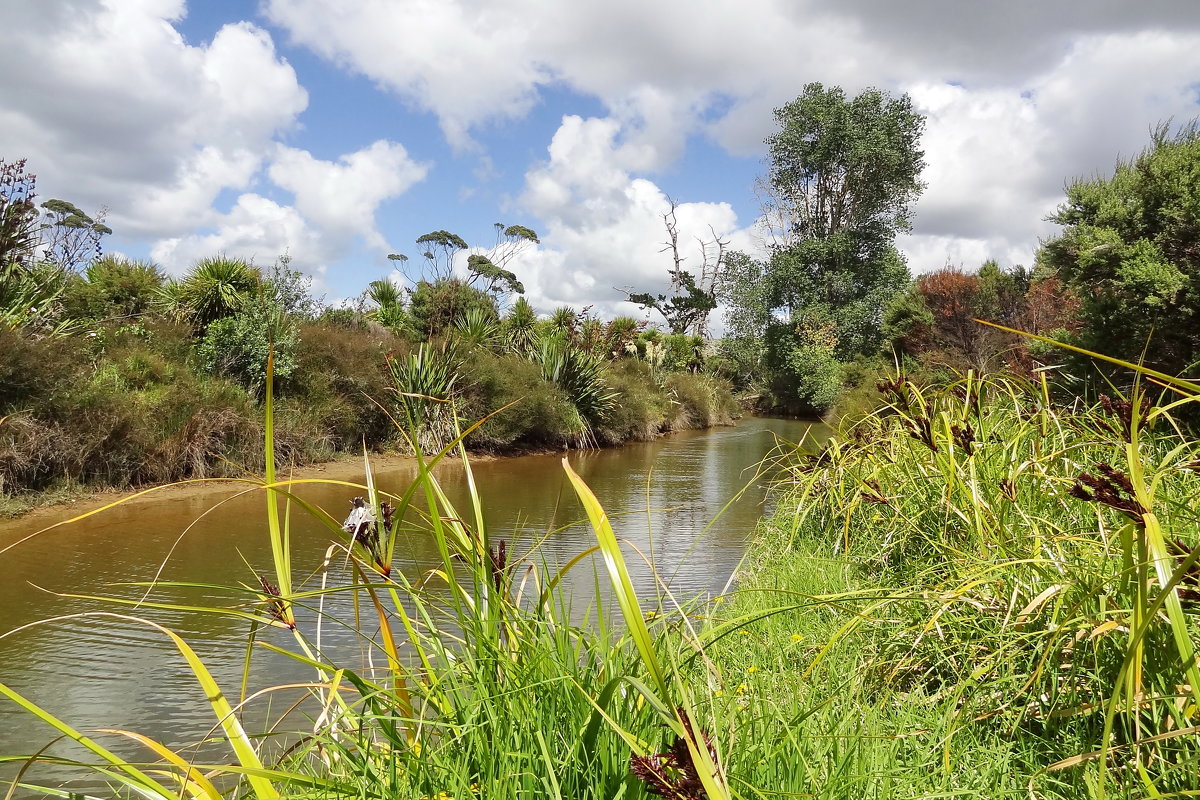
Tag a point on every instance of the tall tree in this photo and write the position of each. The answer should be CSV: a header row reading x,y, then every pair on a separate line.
x,y
1130,250
842,175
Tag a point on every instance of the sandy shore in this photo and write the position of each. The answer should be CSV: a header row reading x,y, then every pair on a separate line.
x,y
344,469
348,468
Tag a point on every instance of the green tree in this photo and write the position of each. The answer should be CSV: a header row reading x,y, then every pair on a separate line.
x,y
236,346
484,270
842,175
1130,251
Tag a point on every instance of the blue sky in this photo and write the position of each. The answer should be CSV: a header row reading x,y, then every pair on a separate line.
x,y
339,132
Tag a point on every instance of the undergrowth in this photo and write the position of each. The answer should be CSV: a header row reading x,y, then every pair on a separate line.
x,y
973,592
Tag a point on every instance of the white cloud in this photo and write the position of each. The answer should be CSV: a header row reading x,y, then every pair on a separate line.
x,y
1020,96
466,61
256,229
342,197
113,108
605,228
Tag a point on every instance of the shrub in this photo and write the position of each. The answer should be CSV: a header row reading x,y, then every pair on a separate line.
x,y
641,407
237,347
703,401
543,414
435,306
341,377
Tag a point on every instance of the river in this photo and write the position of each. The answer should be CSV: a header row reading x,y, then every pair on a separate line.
x,y
102,672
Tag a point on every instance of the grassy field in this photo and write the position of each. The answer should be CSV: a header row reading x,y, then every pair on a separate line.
x,y
976,591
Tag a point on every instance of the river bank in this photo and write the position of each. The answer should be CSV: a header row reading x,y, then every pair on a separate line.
x,y
33,506
661,497
979,595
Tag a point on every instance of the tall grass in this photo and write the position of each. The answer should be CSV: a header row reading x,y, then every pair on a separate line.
x,y
975,592
1020,584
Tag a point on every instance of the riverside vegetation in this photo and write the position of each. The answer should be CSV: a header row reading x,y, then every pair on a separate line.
x,y
118,377
983,586
974,591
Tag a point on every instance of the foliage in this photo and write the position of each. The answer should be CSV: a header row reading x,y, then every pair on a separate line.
x,y
214,288
18,215
477,328
695,293
113,287
70,237
620,335
519,326
702,401
31,299
803,366
1129,252
488,270
642,410
424,384
237,347
581,377
842,175
340,372
435,307
533,411
1025,574
684,311
840,166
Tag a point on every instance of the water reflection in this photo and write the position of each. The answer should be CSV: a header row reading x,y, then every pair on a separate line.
x,y
100,671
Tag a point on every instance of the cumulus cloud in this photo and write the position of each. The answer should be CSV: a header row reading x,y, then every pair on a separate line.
x,y
342,197
256,229
605,228
1020,96
113,108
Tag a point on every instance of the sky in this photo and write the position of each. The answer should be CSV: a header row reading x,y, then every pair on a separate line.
x,y
338,132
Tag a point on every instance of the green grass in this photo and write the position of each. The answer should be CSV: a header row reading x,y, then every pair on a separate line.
x,y
935,609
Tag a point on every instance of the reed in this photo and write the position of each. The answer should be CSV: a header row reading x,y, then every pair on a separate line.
x,y
975,591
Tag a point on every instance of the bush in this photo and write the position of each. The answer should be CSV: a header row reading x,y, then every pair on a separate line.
x,y
703,401
114,288
436,306
237,347
341,378
640,411
543,414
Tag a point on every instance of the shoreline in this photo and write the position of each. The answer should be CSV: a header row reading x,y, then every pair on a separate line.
x,y
83,500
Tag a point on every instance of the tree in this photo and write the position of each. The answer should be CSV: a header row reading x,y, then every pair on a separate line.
x,y
1130,251
842,175
114,288
695,297
70,238
487,270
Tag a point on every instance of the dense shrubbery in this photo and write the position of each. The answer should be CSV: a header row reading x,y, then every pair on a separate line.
x,y
1005,592
163,381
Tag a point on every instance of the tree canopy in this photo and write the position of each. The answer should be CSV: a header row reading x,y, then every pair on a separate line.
x,y
1130,249
842,175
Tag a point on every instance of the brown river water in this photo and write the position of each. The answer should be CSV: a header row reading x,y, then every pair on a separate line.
x,y
102,672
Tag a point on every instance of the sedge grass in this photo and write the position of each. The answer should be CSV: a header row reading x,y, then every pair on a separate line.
x,y
941,606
